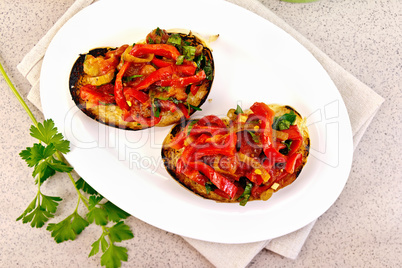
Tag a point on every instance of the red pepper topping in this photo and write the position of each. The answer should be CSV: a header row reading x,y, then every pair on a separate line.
x,y
162,73
163,50
139,95
183,81
248,146
118,88
217,179
103,93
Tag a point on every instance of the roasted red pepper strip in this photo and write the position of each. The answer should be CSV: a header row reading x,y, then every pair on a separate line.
x,y
162,63
265,114
186,70
162,73
163,50
183,81
227,146
211,120
178,141
184,110
201,179
213,130
118,88
217,179
296,137
188,152
97,94
293,162
138,95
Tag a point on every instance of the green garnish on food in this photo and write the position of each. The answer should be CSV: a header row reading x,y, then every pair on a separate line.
x,y
255,137
210,187
239,110
284,121
246,194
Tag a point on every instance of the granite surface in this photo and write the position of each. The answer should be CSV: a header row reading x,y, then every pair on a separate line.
x,y
362,229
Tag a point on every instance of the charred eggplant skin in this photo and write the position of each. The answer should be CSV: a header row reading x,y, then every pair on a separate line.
x,y
77,73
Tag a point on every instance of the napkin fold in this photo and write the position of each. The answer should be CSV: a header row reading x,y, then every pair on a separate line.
x,y
361,102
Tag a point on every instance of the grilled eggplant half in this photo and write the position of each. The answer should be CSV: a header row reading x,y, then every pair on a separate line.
x,y
156,82
247,156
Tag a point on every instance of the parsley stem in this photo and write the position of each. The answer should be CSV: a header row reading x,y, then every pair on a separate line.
x,y
17,94
30,114
83,198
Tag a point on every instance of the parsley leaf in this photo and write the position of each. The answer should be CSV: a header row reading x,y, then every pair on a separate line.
x,y
120,232
68,228
47,133
113,256
114,213
94,200
40,210
81,184
98,215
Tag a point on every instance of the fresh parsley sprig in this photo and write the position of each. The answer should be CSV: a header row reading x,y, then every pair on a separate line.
x,y
45,157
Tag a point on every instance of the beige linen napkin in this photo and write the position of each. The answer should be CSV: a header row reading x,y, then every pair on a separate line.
x,y
362,104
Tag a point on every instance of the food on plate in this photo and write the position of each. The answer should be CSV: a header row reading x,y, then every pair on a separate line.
x,y
157,82
247,156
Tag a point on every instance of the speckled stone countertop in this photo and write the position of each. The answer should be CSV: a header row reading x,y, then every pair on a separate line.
x,y
362,229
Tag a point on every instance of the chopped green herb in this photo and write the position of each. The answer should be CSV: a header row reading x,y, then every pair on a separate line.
x,y
210,187
129,78
284,121
246,194
190,126
180,60
239,110
286,150
255,138
163,88
194,107
175,101
199,61
158,31
162,98
155,109
189,52
105,103
208,70
150,41
174,39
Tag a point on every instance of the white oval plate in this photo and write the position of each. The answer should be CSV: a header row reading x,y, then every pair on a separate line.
x,y
255,61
